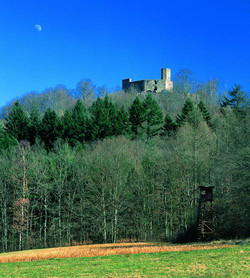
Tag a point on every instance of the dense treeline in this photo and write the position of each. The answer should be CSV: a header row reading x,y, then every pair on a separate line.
x,y
79,126
124,166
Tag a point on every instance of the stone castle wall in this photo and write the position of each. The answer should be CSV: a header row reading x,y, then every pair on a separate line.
x,y
149,85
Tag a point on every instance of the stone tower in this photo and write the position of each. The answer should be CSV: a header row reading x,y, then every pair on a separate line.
x,y
166,74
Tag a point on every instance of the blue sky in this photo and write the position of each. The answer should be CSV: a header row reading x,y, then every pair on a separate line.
x,y
107,41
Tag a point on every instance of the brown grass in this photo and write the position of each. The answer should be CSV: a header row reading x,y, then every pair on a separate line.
x,y
100,250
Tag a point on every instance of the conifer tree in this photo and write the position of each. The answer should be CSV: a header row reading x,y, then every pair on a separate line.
x,y
123,122
79,124
51,128
185,113
99,123
17,123
67,127
153,116
205,113
35,125
111,114
236,100
103,121
6,140
91,130
136,117
170,126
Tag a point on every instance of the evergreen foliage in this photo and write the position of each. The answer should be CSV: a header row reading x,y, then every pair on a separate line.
x,y
153,116
170,126
236,100
137,117
100,121
68,127
51,128
34,126
79,122
185,113
111,115
17,123
123,124
205,113
6,141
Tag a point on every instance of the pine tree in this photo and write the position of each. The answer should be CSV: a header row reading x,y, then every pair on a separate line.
x,y
91,130
35,125
111,114
153,116
51,128
67,127
99,122
170,126
136,117
237,100
6,141
123,122
17,123
205,113
79,117
103,122
185,113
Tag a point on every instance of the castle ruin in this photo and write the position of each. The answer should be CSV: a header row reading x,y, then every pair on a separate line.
x,y
149,85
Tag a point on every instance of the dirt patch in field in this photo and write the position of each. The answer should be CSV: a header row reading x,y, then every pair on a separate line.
x,y
101,250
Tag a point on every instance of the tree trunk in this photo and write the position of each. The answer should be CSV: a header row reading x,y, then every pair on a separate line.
x,y
45,218
59,221
166,216
20,240
115,225
104,217
151,224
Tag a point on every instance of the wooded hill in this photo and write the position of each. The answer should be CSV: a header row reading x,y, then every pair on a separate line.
x,y
123,166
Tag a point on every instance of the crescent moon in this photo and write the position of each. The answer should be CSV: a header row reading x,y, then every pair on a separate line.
x,y
38,27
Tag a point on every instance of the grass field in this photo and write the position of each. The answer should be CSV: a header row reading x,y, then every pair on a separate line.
x,y
231,261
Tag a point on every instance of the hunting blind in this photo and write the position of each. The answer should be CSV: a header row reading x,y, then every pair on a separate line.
x,y
206,213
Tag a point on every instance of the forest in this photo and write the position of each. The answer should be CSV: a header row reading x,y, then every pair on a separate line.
x,y
77,169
